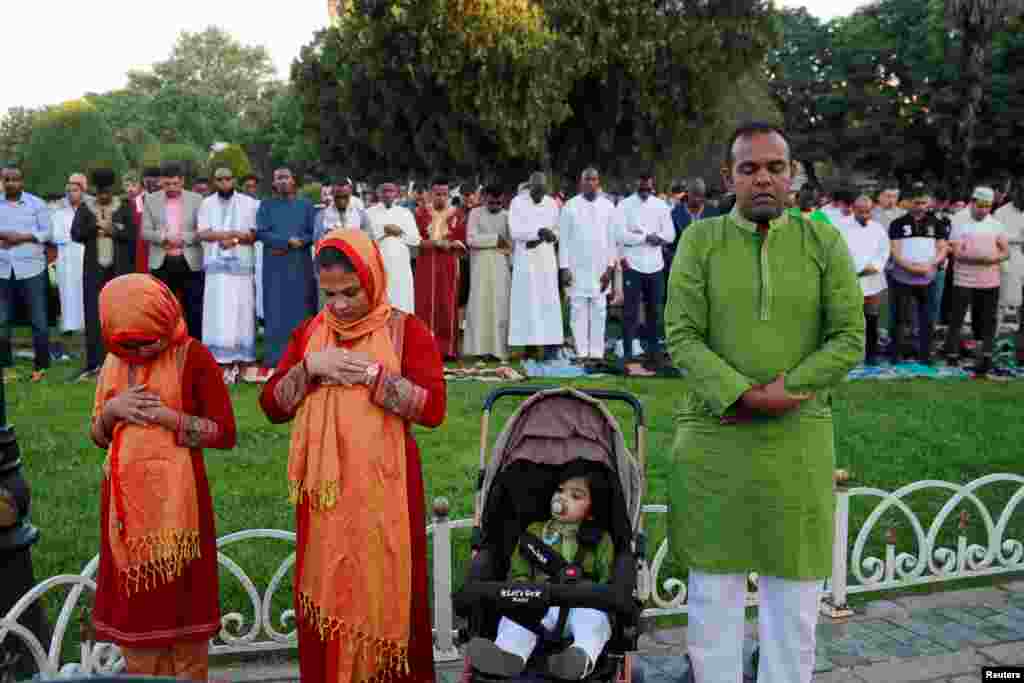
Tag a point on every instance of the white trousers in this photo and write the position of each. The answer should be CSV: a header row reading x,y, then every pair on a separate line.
x,y
589,628
588,317
787,617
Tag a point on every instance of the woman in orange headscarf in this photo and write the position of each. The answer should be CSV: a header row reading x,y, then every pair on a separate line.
x,y
354,378
160,400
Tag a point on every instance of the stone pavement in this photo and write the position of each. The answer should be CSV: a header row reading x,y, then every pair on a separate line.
x,y
942,638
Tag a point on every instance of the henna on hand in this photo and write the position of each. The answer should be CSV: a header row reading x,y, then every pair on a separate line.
x,y
292,388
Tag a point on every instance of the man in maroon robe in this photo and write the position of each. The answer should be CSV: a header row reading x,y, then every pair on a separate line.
x,y
437,268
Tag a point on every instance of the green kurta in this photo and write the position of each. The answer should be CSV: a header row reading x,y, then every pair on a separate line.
x,y
816,215
758,496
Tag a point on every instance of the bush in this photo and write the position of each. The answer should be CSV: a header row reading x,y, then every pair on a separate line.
x,y
192,158
233,157
311,191
69,138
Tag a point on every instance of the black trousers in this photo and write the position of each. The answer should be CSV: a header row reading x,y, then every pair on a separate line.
x,y
188,285
984,305
911,299
648,290
95,280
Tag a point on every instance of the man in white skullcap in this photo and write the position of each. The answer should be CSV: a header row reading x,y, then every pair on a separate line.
x,y
980,246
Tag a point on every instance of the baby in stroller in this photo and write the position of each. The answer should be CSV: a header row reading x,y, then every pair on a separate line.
x,y
572,544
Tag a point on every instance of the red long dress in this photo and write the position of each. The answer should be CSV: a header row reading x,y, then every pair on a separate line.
x,y
187,608
436,286
422,384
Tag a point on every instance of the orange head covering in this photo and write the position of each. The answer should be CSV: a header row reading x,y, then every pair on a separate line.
x,y
137,309
369,265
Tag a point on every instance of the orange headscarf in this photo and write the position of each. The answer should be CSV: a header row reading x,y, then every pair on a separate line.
x,y
154,516
356,577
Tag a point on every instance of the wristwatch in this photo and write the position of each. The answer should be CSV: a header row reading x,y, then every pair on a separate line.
x,y
371,374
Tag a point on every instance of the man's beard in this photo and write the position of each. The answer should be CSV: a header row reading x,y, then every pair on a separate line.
x,y
225,194
644,194
762,213
12,195
590,196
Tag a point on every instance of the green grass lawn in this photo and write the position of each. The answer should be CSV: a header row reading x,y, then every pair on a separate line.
x,y
888,434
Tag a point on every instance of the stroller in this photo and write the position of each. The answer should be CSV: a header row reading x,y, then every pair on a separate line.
x,y
553,427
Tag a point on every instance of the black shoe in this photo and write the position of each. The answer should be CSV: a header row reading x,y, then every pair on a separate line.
x,y
571,664
953,361
871,361
488,658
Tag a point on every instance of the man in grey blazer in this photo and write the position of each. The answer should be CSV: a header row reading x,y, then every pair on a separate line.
x,y
170,226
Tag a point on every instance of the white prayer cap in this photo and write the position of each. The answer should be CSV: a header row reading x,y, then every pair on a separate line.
x,y
985,194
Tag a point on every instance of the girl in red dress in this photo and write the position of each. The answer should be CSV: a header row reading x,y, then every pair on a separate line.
x,y
160,400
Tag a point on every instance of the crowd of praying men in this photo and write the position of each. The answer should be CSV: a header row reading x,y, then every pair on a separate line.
x,y
492,270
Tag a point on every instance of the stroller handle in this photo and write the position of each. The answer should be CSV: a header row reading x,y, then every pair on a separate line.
x,y
600,394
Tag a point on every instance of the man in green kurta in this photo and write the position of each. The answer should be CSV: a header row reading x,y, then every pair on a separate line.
x,y
765,316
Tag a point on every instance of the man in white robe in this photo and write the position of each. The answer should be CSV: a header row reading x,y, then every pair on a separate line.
x,y
536,306
394,229
490,277
586,260
70,257
227,224
1011,293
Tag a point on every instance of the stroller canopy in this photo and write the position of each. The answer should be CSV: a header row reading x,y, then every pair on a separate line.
x,y
557,426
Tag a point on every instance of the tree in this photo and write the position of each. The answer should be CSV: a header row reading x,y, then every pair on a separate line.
x,y
289,140
505,86
233,157
72,137
193,159
15,131
975,23
210,88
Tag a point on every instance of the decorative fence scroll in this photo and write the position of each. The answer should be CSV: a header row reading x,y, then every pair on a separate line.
x,y
259,630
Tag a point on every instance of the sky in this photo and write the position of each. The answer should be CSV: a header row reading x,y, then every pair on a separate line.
x,y
70,48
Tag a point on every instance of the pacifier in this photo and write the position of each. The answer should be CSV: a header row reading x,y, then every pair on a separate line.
x,y
557,506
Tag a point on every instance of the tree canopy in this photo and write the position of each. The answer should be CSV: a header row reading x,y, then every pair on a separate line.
x,y
882,91
505,86
69,138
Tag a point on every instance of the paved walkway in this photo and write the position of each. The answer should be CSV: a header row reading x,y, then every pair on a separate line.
x,y
940,638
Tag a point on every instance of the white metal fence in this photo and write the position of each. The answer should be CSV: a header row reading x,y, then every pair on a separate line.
x,y
259,630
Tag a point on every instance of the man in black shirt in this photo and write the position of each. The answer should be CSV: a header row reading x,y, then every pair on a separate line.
x,y
919,249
